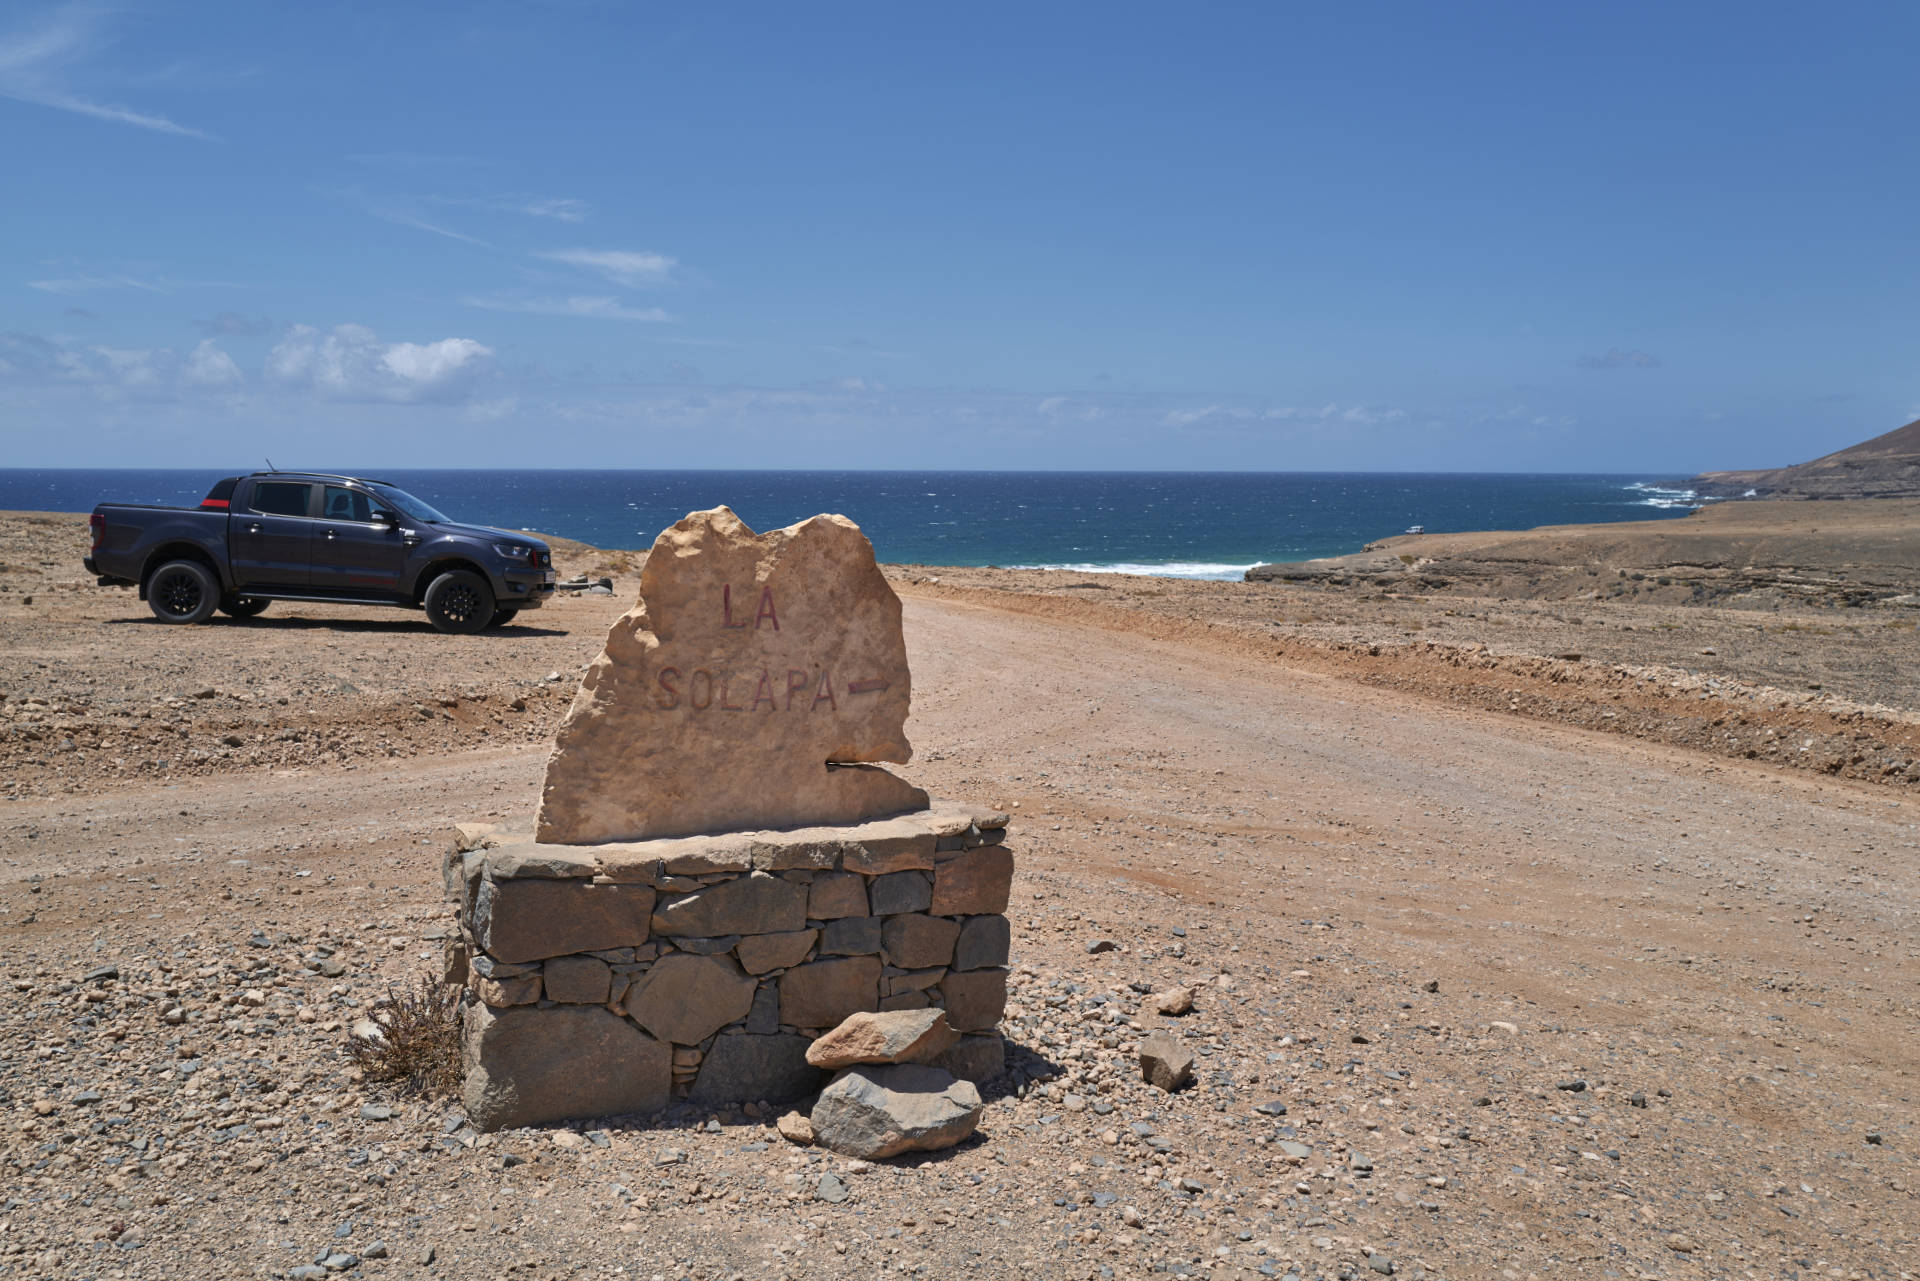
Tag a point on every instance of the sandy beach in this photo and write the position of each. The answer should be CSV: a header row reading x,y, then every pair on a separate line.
x,y
1543,922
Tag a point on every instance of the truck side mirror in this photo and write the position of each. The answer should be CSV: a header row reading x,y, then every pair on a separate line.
x,y
383,517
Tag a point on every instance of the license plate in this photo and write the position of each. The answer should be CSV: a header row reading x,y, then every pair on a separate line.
x,y
547,578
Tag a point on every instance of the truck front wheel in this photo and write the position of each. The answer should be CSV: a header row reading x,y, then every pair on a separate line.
x,y
183,591
502,617
459,602
242,606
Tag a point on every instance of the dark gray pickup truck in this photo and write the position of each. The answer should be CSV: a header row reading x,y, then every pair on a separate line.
x,y
307,536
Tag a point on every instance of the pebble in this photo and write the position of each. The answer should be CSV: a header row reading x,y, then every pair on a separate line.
x,y
1102,945
670,1156
1680,1244
1574,1086
375,1112
795,1128
831,1187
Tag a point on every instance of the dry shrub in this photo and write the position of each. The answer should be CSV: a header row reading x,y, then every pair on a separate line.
x,y
419,1042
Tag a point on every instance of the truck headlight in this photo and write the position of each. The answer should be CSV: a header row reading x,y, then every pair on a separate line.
x,y
516,551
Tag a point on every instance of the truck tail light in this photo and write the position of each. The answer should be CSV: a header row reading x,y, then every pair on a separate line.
x,y
97,525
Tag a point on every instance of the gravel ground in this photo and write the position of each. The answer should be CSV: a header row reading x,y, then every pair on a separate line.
x,y
1412,926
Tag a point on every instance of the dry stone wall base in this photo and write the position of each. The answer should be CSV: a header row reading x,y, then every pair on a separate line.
x,y
614,978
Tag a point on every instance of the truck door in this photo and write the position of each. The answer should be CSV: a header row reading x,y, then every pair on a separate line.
x,y
351,553
269,538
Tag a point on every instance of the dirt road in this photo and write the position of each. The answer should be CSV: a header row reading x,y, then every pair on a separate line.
x,y
1719,954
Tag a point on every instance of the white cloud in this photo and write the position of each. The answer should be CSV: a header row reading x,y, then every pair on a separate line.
x,y
117,373
351,363
208,366
591,308
623,266
32,66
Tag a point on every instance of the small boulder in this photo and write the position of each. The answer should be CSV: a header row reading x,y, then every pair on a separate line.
x,y
1172,1003
872,1111
898,1036
1164,1063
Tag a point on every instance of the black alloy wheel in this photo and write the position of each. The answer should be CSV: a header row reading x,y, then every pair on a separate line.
x,y
501,617
182,591
460,602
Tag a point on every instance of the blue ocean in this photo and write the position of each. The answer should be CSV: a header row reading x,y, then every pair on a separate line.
x,y
1177,524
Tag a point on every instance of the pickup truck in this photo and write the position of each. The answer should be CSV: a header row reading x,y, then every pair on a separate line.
x,y
317,538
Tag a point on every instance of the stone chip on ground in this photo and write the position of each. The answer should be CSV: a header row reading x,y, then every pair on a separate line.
x,y
875,1111
1164,1063
900,1036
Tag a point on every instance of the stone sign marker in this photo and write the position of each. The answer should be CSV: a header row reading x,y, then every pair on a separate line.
x,y
751,687
720,876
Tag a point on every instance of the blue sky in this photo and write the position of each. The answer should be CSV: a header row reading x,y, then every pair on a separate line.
x,y
1648,238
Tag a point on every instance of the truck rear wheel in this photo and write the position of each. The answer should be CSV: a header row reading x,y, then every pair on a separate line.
x,y
183,591
242,606
459,602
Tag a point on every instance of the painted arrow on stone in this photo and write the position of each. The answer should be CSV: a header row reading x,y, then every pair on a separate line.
x,y
872,685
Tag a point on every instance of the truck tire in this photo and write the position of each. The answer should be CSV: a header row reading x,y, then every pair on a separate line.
x,y
183,591
459,602
502,617
242,606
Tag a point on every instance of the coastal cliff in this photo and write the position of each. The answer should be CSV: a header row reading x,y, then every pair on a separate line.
x,y
1885,467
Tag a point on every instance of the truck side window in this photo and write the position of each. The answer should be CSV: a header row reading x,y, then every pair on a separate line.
x,y
347,504
278,498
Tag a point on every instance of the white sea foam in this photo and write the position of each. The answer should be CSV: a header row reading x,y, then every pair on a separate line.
x,y
1667,498
1170,569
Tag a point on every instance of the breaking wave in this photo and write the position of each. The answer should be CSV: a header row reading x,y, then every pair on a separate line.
x,y
1665,497
1170,569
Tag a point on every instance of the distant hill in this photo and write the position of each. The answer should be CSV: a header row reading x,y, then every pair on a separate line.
x,y
1885,467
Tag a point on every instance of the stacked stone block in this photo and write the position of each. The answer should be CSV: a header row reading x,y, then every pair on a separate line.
x,y
616,978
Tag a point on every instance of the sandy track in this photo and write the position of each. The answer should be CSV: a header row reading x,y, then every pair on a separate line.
x,y
1641,918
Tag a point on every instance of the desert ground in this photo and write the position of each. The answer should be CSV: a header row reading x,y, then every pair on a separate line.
x,y
1534,933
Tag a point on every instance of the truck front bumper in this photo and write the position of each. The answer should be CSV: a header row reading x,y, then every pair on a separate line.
x,y
526,588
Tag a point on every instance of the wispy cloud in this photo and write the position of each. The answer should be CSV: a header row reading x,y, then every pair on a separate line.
x,y
88,283
234,325
398,211
622,266
1614,358
1222,415
34,65
590,308
412,160
564,209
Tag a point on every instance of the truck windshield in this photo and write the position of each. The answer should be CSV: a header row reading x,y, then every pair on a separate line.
x,y
409,505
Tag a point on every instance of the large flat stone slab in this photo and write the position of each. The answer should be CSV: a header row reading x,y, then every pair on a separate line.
x,y
530,1066
533,919
751,666
685,998
756,1069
